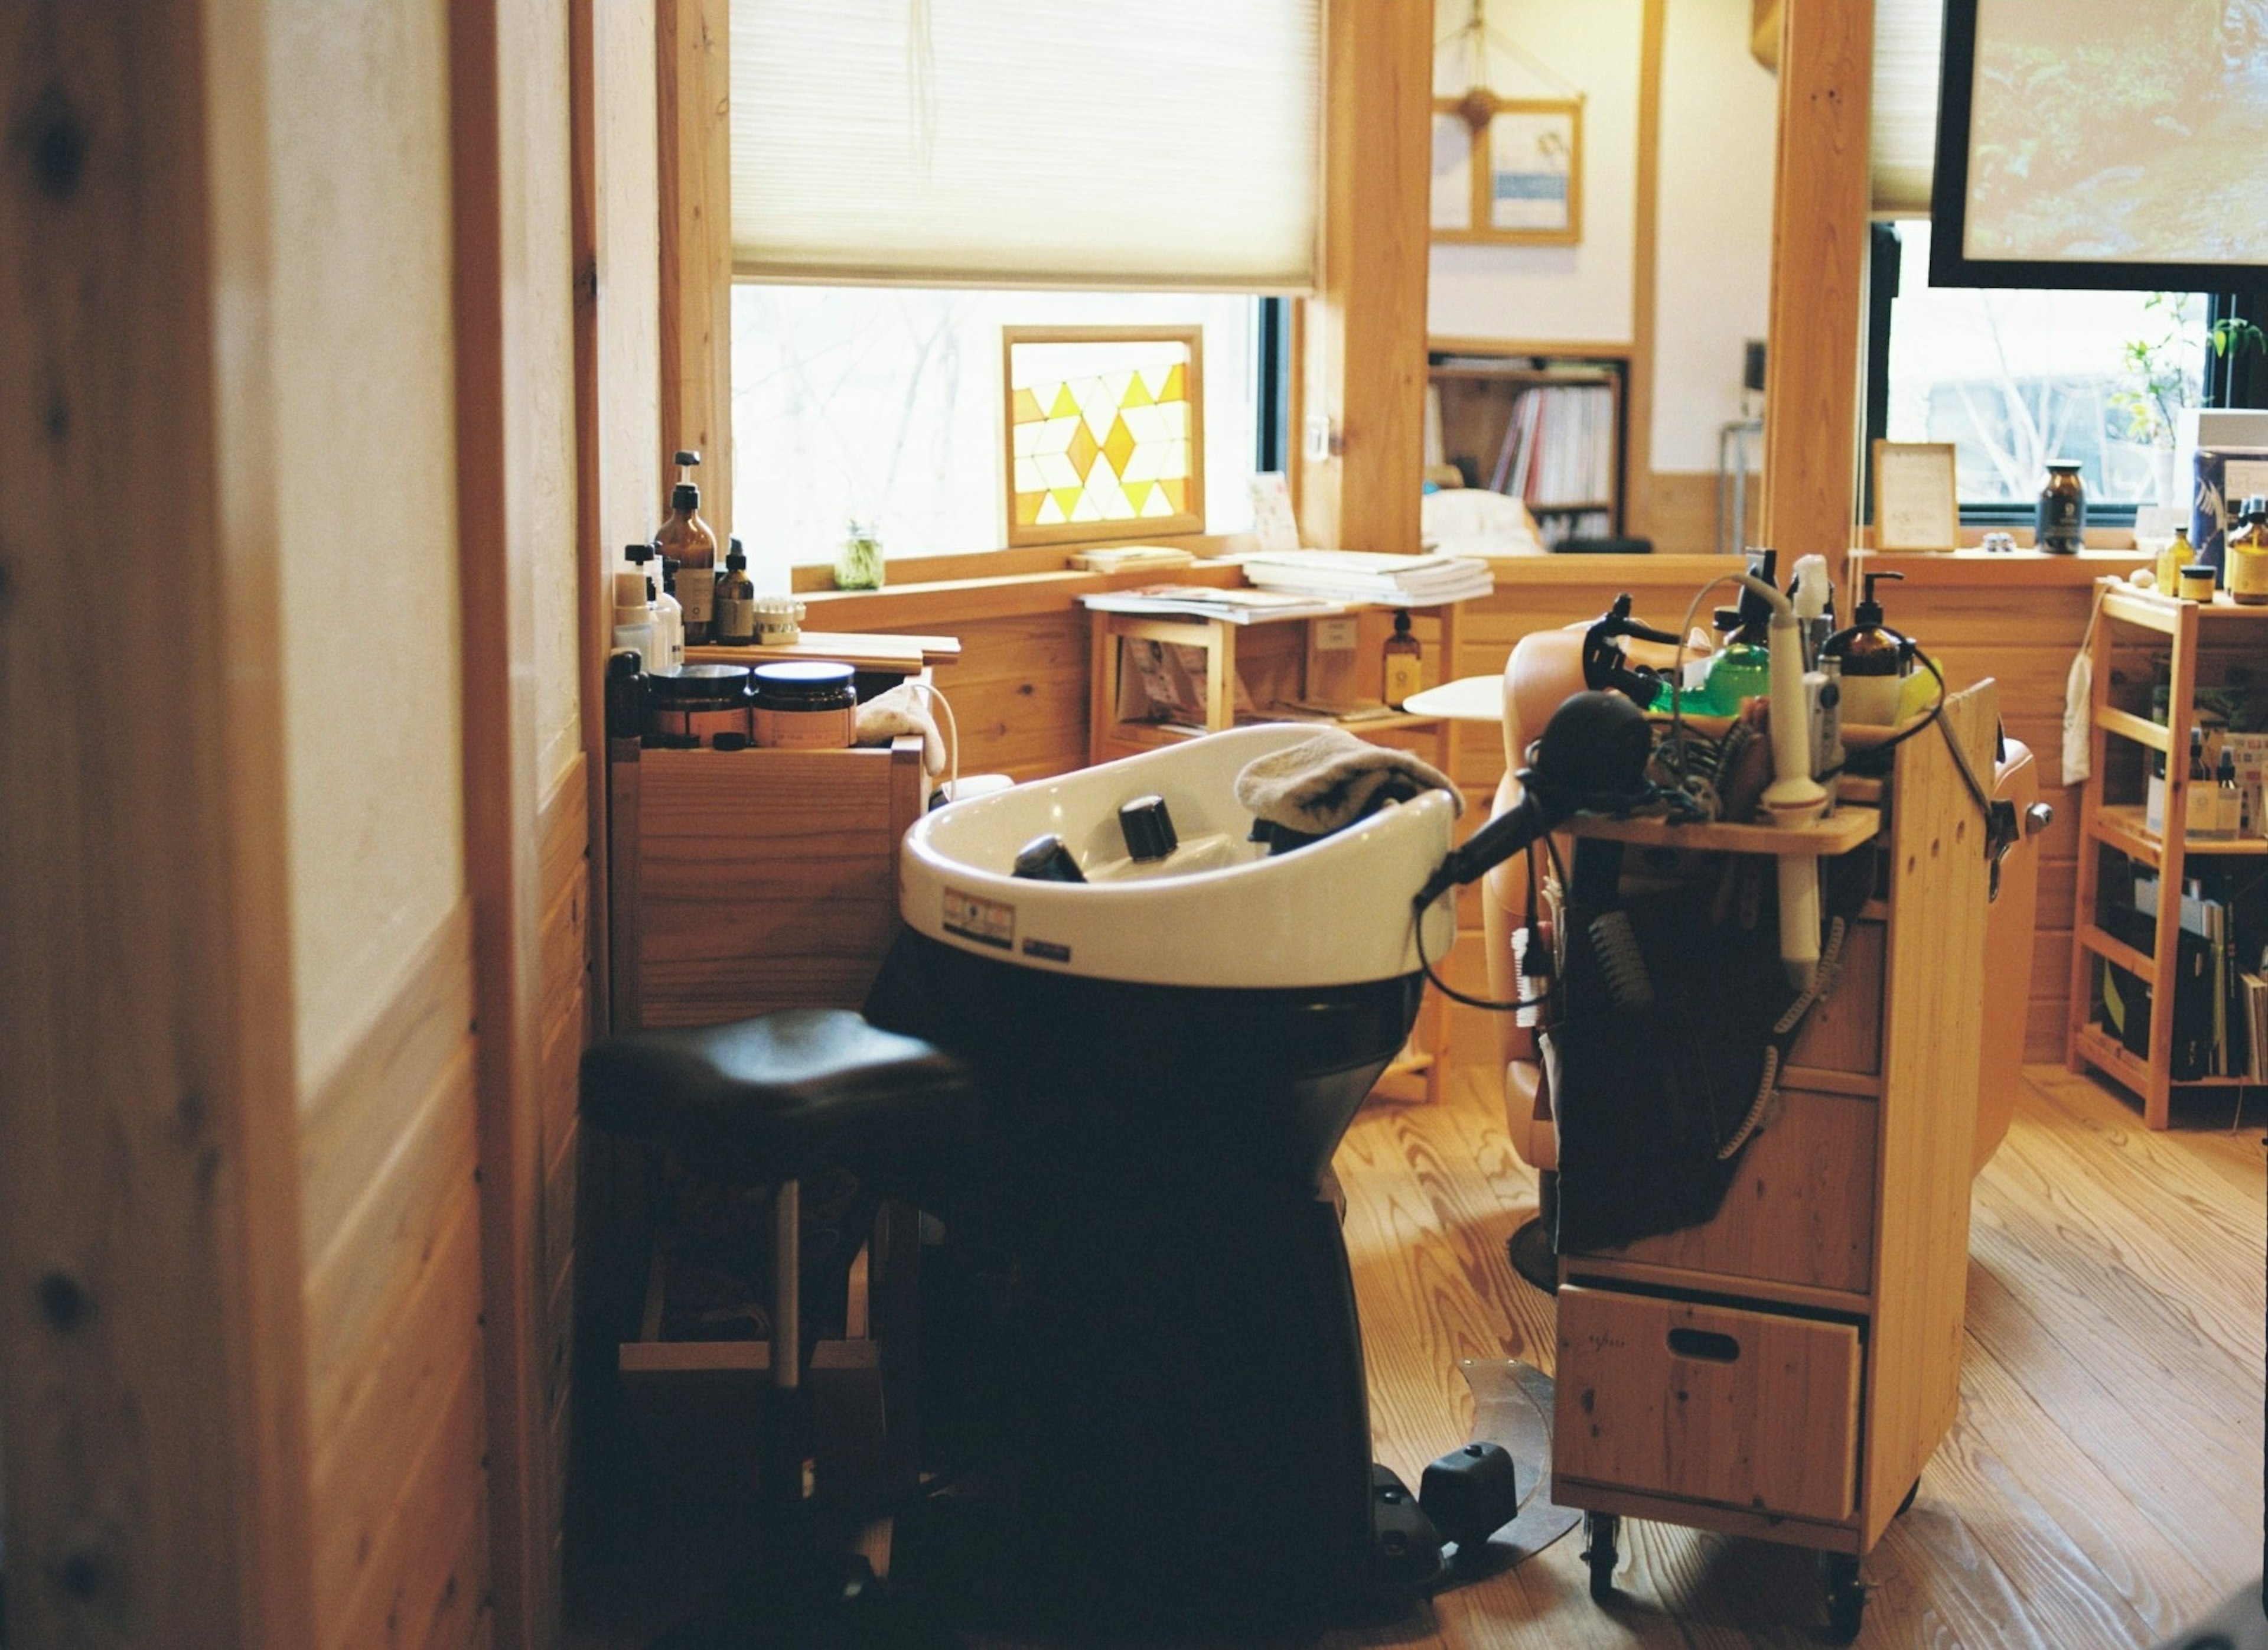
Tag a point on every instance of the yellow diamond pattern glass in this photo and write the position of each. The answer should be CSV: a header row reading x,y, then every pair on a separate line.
x,y
1098,439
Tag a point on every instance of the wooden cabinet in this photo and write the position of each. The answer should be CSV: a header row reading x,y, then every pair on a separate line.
x,y
747,881
1786,1368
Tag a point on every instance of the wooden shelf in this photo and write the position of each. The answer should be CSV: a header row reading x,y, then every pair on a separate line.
x,y
2122,825
2140,964
2100,1048
1840,832
2128,725
906,653
2162,613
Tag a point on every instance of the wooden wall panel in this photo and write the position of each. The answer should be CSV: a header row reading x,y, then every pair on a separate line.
x,y
695,195
151,1380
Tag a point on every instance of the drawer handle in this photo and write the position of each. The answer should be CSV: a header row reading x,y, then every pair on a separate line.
x,y
1717,1349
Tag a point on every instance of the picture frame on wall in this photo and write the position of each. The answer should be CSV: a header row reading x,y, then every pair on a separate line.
x,y
1507,171
1104,432
1917,496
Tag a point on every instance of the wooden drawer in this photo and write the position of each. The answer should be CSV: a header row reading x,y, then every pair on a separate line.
x,y
1844,1033
1801,1209
1711,1403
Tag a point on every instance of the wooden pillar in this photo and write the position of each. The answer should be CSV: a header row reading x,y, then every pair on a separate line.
x,y
496,559
152,1346
1819,253
1363,340
697,246
1637,408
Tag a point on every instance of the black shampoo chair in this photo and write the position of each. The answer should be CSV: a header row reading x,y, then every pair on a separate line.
x,y
767,1101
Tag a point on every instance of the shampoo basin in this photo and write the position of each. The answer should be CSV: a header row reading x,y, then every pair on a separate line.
x,y
1219,911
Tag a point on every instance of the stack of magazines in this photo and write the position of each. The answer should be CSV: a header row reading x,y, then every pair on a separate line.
x,y
1398,581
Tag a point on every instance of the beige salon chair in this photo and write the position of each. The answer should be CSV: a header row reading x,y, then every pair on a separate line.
x,y
1544,668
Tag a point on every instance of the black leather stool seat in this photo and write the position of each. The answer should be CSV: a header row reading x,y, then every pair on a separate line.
x,y
776,1094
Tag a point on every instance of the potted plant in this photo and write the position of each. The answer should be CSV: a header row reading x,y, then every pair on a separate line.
x,y
2160,380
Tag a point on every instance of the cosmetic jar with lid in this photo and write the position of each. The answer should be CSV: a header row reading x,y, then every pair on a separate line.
x,y
699,703
2198,582
806,705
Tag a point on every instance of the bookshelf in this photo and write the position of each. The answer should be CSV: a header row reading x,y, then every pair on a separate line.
x,y
2113,820
1543,424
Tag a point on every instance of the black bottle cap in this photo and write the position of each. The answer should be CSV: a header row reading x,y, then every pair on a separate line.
x,y
685,455
1148,829
2255,507
685,496
736,558
623,661
729,741
1870,611
640,554
1046,860
1400,622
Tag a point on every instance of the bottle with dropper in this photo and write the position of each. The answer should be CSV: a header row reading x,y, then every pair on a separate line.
x,y
688,540
734,622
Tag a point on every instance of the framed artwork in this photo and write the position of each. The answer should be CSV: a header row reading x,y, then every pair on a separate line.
x,y
1916,502
1508,170
1104,432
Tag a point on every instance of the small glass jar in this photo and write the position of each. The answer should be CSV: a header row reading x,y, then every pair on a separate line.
x,y
2198,582
806,705
858,563
2060,527
694,706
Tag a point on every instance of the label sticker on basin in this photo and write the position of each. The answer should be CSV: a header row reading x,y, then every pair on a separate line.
x,y
1047,949
986,922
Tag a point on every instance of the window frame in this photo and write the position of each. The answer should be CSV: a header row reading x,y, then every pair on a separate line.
x,y
2224,377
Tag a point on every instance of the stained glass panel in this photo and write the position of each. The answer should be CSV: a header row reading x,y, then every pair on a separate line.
x,y
1103,430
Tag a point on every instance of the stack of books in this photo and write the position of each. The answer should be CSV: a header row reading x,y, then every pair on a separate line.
x,y
2217,1003
1209,601
1361,576
1559,447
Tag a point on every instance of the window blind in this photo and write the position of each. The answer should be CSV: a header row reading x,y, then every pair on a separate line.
x,y
1168,144
1909,40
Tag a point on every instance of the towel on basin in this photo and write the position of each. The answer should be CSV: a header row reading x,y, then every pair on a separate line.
x,y
1324,784
902,709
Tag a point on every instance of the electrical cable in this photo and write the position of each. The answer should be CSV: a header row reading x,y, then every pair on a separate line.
x,y
1417,926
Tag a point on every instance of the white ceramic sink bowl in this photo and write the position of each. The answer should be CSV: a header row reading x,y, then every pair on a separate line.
x,y
1219,912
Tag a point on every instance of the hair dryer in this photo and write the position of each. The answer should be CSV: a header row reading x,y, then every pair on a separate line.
x,y
1592,757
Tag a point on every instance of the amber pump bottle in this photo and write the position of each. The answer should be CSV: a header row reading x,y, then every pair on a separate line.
x,y
686,540
1405,664
1873,659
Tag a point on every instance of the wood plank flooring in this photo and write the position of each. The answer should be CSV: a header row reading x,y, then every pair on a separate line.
x,y
2102,1487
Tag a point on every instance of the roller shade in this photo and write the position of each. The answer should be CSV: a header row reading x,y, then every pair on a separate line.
x,y
1171,144
1909,41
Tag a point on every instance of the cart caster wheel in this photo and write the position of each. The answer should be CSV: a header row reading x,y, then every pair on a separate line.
x,y
1847,1597
1599,1532
1912,1491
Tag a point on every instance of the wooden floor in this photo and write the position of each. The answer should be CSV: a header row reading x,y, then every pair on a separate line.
x,y
2103,1486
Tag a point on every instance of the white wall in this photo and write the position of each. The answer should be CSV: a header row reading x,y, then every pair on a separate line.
x,y
1714,224
365,445
1714,240
1580,293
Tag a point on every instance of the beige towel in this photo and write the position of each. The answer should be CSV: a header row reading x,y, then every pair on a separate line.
x,y
902,710
1328,782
